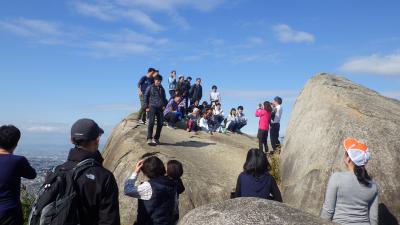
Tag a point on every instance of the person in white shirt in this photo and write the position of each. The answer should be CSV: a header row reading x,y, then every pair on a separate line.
x,y
214,95
203,123
218,113
275,123
231,120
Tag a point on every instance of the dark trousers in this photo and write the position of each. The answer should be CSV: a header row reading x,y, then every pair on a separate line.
x,y
171,118
13,217
142,111
153,113
172,93
274,135
262,140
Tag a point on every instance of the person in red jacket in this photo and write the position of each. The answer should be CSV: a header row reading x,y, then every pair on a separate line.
x,y
264,112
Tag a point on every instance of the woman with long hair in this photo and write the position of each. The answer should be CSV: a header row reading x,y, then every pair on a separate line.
x,y
352,197
255,180
264,113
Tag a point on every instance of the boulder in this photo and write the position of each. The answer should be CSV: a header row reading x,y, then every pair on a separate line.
x,y
211,162
328,110
252,211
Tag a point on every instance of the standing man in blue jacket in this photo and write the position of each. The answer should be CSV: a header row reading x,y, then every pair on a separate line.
x,y
196,92
144,83
154,103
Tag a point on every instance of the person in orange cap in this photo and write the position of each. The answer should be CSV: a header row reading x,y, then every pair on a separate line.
x,y
352,197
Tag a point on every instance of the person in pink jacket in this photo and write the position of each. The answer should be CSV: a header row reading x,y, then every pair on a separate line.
x,y
264,112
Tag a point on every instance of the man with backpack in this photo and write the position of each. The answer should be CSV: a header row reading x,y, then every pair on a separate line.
x,y
80,191
155,102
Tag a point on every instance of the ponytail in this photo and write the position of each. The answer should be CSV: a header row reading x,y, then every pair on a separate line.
x,y
362,175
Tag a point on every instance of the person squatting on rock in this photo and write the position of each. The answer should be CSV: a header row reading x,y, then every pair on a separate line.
x,y
255,180
13,167
237,121
171,113
144,82
155,102
264,113
275,123
157,196
352,196
175,172
193,121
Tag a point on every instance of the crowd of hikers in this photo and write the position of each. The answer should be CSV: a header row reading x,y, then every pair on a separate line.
x,y
81,191
183,105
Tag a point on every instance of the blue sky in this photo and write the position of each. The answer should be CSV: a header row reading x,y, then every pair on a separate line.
x,y
60,61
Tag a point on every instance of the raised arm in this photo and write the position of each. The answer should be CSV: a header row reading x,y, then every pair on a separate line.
x,y
143,191
260,113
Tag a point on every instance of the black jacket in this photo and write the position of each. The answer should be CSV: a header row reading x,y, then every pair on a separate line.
x,y
196,92
155,97
160,208
97,190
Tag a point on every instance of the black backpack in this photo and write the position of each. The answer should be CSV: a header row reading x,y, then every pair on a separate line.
x,y
56,203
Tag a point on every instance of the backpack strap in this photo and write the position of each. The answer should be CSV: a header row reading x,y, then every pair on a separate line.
x,y
82,166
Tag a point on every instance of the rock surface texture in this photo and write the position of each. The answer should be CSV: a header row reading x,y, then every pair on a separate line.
x,y
249,211
328,110
211,162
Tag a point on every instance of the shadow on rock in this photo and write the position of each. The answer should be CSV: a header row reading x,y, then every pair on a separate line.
x,y
194,144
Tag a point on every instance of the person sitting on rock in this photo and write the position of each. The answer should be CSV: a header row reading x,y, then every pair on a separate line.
x,y
193,120
13,167
203,123
171,113
175,172
241,119
218,113
352,196
255,180
231,121
196,104
157,196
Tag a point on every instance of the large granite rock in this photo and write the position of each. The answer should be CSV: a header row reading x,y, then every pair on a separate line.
x,y
211,162
328,110
249,211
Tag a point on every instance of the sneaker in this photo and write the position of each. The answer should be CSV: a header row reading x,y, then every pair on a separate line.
x,y
156,141
142,122
149,142
170,126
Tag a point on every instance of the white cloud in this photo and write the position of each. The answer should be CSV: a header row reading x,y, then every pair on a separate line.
x,y
286,34
111,12
168,5
386,65
139,11
126,42
40,30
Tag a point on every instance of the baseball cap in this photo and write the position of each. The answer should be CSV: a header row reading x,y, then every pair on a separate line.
x,y
357,151
85,130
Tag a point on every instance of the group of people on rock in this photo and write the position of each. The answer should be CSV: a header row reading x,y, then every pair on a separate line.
x,y
82,191
184,105
351,197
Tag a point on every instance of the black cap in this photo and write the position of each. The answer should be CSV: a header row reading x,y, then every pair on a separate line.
x,y
86,130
